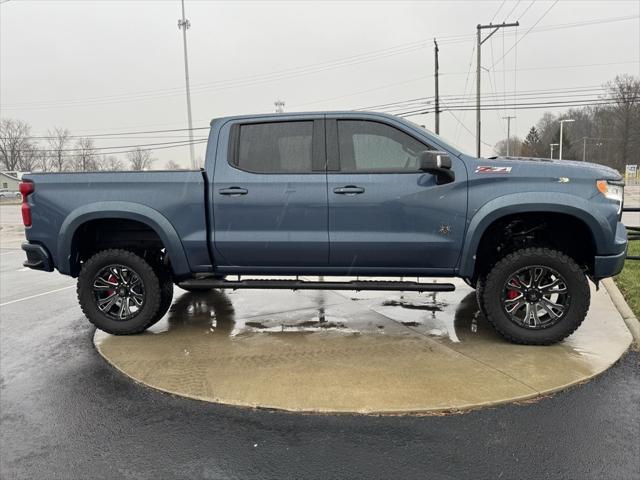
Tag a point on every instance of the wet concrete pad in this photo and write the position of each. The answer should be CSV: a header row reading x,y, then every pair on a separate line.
x,y
365,352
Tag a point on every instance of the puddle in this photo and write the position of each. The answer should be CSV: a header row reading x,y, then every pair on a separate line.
x,y
322,351
430,307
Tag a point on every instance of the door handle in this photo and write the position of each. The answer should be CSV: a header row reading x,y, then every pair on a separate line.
x,y
348,190
233,191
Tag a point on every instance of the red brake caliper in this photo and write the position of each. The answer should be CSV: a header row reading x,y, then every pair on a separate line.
x,y
511,294
112,278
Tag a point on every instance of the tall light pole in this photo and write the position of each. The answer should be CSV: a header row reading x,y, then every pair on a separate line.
x,y
561,124
184,24
508,119
437,89
553,145
480,41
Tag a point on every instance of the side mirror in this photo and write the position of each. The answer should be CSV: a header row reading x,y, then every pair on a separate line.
x,y
438,164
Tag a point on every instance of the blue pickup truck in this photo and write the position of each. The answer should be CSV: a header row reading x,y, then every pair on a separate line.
x,y
333,194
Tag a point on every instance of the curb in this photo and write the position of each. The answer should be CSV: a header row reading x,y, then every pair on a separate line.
x,y
623,308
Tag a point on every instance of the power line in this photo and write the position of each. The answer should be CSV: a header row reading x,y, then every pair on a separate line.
x,y
290,72
526,9
527,32
175,143
508,15
449,97
520,106
499,8
125,133
92,151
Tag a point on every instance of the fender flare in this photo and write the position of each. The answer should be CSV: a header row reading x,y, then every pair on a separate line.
x,y
529,202
122,210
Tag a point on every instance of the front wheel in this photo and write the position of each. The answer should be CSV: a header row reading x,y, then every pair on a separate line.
x,y
536,296
119,292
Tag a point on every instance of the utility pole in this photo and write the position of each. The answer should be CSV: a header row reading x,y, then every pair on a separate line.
x,y
480,41
508,119
553,145
435,49
184,24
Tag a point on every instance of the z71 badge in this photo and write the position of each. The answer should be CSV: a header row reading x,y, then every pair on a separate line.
x,y
490,169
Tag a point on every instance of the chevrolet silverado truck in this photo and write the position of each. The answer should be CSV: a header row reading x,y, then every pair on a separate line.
x,y
333,194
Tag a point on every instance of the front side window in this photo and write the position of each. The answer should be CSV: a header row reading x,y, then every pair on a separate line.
x,y
278,147
366,146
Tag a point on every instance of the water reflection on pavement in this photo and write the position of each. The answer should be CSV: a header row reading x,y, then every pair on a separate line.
x,y
354,351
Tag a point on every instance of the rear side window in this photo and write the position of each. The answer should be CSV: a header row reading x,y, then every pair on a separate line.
x,y
278,147
367,146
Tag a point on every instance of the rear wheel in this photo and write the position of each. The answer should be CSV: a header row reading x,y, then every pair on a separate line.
x,y
536,296
119,292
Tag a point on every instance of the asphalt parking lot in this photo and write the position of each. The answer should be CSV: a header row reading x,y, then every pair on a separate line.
x,y
66,414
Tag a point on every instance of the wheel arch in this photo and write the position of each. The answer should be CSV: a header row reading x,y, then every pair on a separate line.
x,y
511,205
154,220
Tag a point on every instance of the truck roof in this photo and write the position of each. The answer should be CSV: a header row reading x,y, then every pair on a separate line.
x,y
346,113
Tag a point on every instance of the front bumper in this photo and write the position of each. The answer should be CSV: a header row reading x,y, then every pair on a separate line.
x,y
609,265
37,257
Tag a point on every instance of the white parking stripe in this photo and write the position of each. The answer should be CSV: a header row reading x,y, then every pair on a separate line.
x,y
34,296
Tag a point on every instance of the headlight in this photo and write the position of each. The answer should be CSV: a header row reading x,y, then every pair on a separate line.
x,y
612,190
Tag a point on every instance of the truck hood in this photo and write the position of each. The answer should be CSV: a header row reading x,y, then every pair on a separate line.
x,y
567,166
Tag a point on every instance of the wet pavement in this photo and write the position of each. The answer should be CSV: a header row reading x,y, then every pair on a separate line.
x,y
67,414
362,352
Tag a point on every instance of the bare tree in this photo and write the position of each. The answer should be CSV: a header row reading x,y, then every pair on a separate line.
x,y
58,140
547,127
14,138
171,165
84,155
625,92
111,163
140,159
29,157
515,145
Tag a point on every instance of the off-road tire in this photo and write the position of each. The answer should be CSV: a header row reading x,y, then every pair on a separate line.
x,y
166,292
480,287
147,315
577,287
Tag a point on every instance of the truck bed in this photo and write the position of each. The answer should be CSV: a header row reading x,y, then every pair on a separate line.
x,y
177,196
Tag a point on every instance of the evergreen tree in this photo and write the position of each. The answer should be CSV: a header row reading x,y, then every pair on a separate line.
x,y
532,146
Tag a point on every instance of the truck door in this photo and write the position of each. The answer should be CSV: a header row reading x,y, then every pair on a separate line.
x,y
384,213
270,195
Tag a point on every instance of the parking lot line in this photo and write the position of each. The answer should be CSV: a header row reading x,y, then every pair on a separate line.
x,y
37,295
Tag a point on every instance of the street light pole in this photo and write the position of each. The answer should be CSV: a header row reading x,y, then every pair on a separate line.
x,y
561,124
184,24
552,145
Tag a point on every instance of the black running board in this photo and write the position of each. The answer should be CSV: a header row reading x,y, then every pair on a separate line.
x,y
309,285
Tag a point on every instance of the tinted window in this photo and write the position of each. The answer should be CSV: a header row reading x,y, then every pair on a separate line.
x,y
281,147
371,146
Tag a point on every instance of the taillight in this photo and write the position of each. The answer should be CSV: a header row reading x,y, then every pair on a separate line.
x,y
26,189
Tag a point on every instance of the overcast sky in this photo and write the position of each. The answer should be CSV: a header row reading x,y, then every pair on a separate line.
x,y
117,66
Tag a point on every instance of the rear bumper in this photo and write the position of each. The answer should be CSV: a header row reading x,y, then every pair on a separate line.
x,y
37,257
609,265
